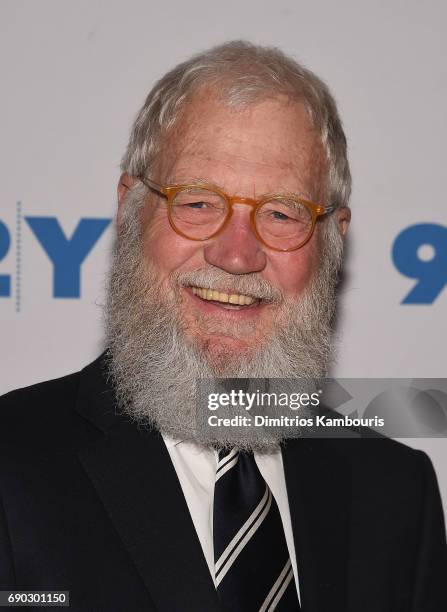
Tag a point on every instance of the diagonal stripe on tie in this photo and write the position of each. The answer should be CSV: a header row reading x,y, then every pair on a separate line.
x,y
243,536
278,588
226,463
253,571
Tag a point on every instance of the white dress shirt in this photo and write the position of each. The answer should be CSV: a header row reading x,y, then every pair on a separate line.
x,y
196,471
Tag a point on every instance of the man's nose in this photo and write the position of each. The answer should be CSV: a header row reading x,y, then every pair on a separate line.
x,y
236,248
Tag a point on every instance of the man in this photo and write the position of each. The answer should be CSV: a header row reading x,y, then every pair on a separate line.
x,y
233,206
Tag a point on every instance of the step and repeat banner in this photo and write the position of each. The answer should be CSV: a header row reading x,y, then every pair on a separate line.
x,y
73,77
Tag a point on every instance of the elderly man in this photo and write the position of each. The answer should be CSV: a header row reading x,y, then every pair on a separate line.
x,y
233,206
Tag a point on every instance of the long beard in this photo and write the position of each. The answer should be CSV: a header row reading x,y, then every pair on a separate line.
x,y
155,367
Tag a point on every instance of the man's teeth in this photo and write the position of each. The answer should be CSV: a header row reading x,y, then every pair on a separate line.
x,y
218,296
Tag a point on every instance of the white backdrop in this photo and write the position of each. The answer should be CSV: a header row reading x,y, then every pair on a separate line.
x,y
74,75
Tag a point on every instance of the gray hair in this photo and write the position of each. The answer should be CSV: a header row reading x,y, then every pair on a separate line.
x,y
241,73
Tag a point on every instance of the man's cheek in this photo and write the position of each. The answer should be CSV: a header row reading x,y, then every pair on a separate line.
x,y
158,237
291,272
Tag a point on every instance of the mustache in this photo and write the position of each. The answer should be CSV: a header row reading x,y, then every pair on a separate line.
x,y
211,277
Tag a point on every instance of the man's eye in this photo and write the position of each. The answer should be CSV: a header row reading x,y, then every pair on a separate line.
x,y
196,205
279,216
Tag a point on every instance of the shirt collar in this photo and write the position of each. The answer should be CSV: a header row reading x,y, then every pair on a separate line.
x,y
170,442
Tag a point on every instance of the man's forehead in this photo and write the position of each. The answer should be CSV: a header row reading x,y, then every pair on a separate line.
x,y
270,144
208,113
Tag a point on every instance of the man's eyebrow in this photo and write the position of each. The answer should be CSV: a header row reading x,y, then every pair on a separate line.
x,y
189,181
207,181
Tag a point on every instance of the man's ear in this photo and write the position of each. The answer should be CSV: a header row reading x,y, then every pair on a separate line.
x,y
343,219
125,183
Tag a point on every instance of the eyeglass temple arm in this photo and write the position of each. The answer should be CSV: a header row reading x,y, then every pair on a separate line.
x,y
323,210
152,185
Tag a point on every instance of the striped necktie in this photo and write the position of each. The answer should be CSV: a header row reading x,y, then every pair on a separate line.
x,y
253,572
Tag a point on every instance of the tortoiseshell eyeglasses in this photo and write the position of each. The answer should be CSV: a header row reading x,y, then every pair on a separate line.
x,y
282,222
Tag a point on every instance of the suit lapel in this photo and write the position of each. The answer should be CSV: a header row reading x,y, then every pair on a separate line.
x,y
319,491
136,481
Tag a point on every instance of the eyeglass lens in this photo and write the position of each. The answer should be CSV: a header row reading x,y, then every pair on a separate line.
x,y
282,223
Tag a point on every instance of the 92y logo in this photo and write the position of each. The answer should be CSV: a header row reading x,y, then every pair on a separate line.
x,y
411,258
66,254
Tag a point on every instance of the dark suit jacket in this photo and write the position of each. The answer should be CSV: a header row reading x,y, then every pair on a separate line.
x,y
91,504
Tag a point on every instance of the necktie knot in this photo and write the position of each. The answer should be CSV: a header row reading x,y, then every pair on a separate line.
x,y
227,458
224,452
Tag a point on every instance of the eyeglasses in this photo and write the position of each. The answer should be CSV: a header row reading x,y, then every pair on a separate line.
x,y
201,211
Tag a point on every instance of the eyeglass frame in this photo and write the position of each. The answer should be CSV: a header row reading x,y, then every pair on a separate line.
x,y
170,191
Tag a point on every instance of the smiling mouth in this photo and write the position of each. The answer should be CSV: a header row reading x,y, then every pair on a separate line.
x,y
227,300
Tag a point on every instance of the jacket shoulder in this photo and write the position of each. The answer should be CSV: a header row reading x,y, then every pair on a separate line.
x,y
47,393
378,449
380,457
37,411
